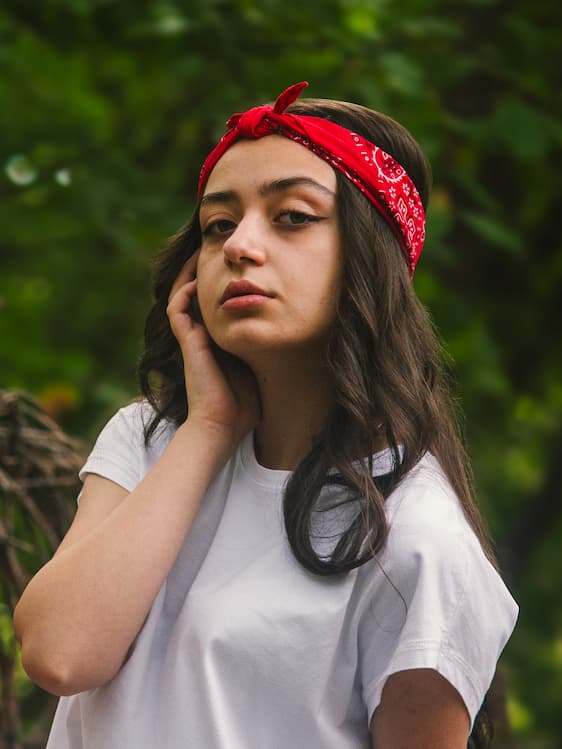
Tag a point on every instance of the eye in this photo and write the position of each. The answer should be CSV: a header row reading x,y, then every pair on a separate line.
x,y
218,228
296,218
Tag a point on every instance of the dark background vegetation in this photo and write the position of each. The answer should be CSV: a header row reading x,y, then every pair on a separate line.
x,y
107,111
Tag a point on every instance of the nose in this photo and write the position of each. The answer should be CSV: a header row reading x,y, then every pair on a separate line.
x,y
246,243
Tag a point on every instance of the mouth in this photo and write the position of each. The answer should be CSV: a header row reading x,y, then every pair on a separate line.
x,y
236,289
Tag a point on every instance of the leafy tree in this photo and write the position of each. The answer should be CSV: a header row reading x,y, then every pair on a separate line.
x,y
112,107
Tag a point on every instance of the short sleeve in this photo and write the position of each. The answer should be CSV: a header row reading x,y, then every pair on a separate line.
x,y
436,602
117,452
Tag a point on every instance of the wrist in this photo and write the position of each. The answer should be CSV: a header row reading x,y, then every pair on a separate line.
x,y
216,438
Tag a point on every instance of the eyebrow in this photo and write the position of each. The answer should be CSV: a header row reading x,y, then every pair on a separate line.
x,y
269,188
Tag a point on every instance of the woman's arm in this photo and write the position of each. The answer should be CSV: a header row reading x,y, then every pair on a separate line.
x,y
420,709
79,615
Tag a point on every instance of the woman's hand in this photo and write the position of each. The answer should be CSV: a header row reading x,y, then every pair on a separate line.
x,y
221,389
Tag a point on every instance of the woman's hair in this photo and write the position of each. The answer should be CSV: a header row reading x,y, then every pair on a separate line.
x,y
391,381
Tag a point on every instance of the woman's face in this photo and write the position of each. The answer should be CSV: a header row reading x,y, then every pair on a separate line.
x,y
269,270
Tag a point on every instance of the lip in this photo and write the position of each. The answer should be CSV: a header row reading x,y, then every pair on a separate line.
x,y
240,289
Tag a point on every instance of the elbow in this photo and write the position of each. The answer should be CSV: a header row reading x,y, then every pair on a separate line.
x,y
61,676
51,681
63,663
51,676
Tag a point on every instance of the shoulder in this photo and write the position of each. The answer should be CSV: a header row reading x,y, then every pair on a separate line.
x,y
435,600
449,591
431,545
424,487
121,452
130,423
425,514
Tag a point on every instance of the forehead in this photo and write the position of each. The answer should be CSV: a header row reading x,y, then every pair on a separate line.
x,y
249,163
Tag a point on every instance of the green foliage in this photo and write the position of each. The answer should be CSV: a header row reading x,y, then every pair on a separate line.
x,y
110,108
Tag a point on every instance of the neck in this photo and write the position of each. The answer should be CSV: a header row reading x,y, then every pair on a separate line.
x,y
297,398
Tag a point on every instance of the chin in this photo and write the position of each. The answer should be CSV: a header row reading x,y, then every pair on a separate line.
x,y
249,337
247,346
253,349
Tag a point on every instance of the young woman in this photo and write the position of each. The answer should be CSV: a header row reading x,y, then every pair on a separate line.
x,y
278,547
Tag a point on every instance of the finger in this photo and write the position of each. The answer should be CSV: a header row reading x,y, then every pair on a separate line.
x,y
187,273
181,299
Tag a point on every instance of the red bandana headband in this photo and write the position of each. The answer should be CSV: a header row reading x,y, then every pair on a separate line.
x,y
379,177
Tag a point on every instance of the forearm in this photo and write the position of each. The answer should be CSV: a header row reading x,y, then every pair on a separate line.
x,y
81,612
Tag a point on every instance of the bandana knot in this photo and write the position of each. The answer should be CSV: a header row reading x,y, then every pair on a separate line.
x,y
267,119
255,123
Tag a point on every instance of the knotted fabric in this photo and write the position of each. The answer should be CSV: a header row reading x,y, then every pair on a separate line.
x,y
373,171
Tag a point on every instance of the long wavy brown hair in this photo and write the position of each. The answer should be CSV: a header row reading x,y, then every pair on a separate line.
x,y
391,377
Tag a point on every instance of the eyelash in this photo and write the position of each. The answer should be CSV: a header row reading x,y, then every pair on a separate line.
x,y
309,218
211,229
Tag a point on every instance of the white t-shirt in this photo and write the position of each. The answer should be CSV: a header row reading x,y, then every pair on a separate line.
x,y
244,649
